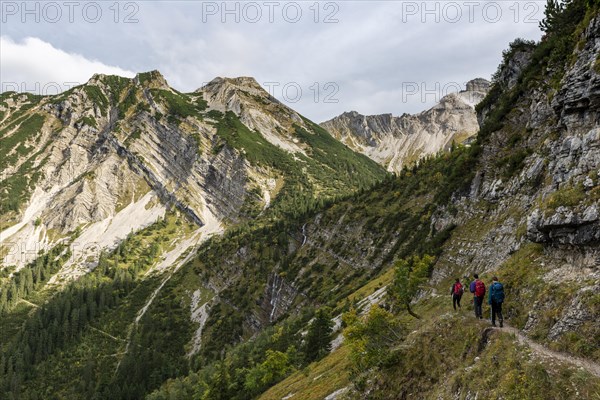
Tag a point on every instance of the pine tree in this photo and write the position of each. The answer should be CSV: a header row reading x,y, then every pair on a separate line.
x,y
3,300
318,338
409,277
553,8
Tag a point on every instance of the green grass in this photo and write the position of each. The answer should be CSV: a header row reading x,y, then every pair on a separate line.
x,y
117,86
330,170
178,105
142,107
333,162
201,104
94,93
129,101
506,370
7,95
565,197
580,341
515,162
14,189
316,381
58,99
453,353
89,121
28,129
373,285
135,135
258,151
145,77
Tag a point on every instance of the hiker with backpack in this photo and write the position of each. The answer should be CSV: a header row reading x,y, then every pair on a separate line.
x,y
456,292
496,298
477,287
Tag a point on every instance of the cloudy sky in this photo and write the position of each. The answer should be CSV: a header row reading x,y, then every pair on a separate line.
x,y
321,58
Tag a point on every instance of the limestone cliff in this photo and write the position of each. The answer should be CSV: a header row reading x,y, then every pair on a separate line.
x,y
110,157
395,142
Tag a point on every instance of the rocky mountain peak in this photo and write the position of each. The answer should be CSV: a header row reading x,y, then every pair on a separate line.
x,y
256,108
398,141
151,79
229,86
478,85
123,186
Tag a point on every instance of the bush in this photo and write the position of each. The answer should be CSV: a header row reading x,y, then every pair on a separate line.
x,y
371,337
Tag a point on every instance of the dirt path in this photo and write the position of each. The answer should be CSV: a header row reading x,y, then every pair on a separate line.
x,y
590,366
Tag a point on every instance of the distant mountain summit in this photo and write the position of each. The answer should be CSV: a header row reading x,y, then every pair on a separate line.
x,y
398,141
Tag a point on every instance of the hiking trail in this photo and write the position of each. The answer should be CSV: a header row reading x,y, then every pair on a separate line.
x,y
588,365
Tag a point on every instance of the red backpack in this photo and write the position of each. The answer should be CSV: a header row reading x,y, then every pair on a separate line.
x,y
479,288
458,289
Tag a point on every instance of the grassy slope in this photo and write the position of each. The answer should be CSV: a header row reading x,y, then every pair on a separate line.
x,y
330,170
397,210
316,381
450,352
18,136
452,355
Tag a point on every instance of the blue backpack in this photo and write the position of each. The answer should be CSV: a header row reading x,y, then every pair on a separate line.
x,y
497,292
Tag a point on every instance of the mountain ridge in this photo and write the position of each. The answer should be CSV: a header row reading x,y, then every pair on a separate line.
x,y
399,141
109,144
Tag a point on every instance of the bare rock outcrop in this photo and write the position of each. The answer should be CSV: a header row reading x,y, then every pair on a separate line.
x,y
395,142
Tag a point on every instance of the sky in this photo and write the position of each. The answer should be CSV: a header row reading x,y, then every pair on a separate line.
x,y
319,57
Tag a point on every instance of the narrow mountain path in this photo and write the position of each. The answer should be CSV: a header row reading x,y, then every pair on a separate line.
x,y
590,366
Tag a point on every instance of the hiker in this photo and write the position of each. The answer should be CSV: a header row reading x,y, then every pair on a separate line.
x,y
456,292
477,287
496,298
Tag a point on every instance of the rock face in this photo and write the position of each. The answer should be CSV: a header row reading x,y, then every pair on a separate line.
x,y
95,163
552,197
574,170
509,72
256,108
398,141
578,100
575,314
113,155
565,226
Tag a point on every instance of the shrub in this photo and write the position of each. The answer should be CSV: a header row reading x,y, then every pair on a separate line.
x,y
371,337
